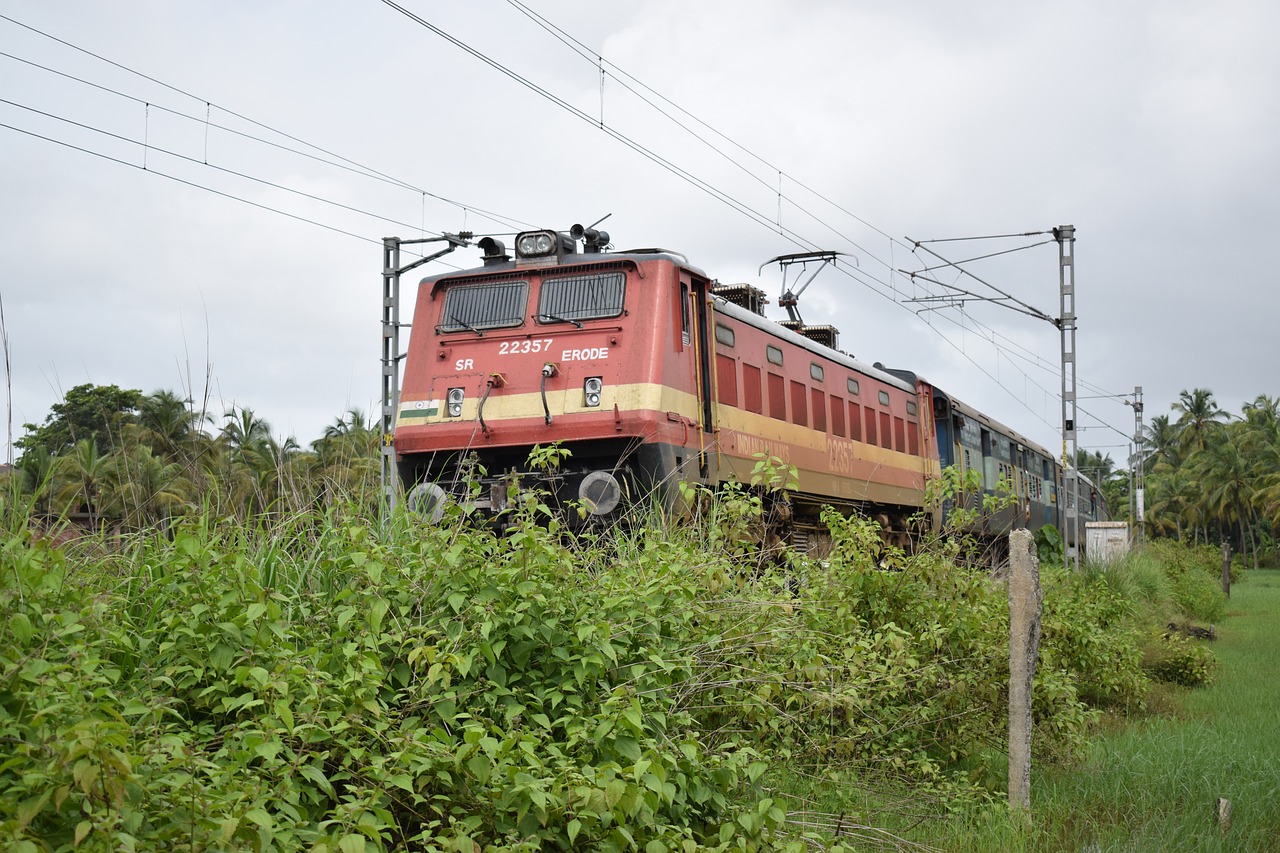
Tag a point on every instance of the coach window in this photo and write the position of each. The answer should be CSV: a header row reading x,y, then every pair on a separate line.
x,y
870,421
818,405
777,397
726,380
724,335
773,354
913,438
912,408
815,372
900,434
855,421
884,398
799,408
751,389
853,387
886,435
837,416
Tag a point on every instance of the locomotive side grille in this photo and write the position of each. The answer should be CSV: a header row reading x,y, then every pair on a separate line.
x,y
582,297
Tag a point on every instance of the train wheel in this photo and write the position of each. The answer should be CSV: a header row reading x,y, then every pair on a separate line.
x,y
427,500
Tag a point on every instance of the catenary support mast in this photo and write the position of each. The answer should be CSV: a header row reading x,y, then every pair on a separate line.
x,y
1066,237
391,355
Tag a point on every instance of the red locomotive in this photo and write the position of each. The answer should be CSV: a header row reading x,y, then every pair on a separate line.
x,y
651,373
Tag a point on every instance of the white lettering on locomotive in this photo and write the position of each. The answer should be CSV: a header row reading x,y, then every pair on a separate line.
x,y
753,445
842,456
590,354
464,364
528,345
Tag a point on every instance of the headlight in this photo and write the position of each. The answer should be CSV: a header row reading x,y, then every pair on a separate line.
x,y
534,244
591,390
454,401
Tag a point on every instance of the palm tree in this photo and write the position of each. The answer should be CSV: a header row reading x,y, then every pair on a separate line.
x,y
1260,441
1095,464
171,423
244,430
35,470
148,489
1160,438
1173,499
1199,417
346,457
1228,486
80,476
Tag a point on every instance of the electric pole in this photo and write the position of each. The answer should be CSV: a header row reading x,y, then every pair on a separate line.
x,y
391,355
1139,461
1066,322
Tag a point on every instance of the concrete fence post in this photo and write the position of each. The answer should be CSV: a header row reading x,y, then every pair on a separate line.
x,y
1025,607
1226,569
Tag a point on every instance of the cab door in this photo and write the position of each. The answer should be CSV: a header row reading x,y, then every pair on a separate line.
x,y
702,342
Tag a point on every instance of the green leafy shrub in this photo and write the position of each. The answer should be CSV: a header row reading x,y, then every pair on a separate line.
x,y
1087,631
1049,545
324,686
1180,558
1194,573
333,684
1176,659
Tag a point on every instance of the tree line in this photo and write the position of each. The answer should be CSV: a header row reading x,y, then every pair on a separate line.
x,y
1211,475
118,457
124,458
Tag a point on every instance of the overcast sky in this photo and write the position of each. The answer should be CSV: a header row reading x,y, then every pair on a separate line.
x,y
169,233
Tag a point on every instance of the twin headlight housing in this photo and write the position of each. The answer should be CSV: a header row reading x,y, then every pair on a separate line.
x,y
546,246
591,390
535,244
453,402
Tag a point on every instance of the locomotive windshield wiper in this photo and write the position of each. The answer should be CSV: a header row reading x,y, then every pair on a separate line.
x,y
453,318
560,319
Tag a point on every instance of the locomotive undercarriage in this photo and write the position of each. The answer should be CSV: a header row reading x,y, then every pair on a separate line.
x,y
601,482
805,531
596,483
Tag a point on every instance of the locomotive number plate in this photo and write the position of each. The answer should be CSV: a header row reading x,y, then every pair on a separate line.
x,y
525,346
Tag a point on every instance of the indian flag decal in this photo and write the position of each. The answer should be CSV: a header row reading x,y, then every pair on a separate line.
x,y
419,409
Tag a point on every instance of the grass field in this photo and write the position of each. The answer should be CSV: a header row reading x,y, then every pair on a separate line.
x,y
1153,786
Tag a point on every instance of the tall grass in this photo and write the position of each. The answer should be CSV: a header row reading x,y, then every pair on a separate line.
x,y
1153,786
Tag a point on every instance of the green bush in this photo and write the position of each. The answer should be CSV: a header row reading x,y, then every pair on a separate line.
x,y
1088,631
435,689
1183,558
331,684
1176,659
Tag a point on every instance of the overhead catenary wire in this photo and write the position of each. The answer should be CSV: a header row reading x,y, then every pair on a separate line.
x,y
362,170
330,158
192,184
148,148
622,75
644,151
